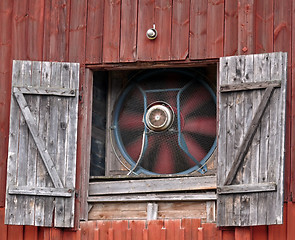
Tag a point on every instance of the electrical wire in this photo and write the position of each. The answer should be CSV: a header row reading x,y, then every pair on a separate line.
x,y
117,157
140,155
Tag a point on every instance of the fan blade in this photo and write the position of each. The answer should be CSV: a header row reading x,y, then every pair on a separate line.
x,y
134,149
196,99
194,149
130,121
202,125
164,163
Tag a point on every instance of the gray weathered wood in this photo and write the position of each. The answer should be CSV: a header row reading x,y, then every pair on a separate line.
x,y
46,91
48,113
262,163
35,191
152,185
152,211
210,196
249,86
247,188
249,136
40,144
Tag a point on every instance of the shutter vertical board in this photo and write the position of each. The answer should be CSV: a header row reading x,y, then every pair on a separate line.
x,y
43,129
252,193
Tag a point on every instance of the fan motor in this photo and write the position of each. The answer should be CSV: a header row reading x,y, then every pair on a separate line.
x,y
159,116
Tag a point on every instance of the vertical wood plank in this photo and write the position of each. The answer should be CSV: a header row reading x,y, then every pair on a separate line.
x,y
128,40
209,231
259,232
37,73
15,232
77,40
77,31
283,42
61,76
120,228
5,85
56,233
277,128
19,30
30,233
154,229
186,225
173,229
46,204
264,21
145,47
71,149
137,229
243,233
111,31
11,214
278,231
215,28
227,235
290,209
3,227
222,136
87,230
180,29
231,28
83,141
35,29
56,30
103,227
94,36
28,176
198,29
246,27
163,18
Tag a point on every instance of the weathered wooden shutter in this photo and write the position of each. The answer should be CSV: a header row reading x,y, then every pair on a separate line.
x,y
41,165
251,139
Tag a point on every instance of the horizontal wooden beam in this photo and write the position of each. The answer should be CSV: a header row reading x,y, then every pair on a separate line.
x,y
41,191
152,185
151,65
154,197
63,92
247,188
249,86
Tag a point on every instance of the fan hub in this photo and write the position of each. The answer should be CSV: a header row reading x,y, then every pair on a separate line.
x,y
159,116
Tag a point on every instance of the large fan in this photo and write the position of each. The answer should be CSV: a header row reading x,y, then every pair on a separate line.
x,y
164,122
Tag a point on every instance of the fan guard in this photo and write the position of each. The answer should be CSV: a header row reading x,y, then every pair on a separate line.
x,y
164,122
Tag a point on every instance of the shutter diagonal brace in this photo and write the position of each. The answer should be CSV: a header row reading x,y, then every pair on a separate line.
x,y
249,135
39,143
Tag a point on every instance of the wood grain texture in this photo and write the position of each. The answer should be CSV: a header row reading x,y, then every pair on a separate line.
x,y
215,28
231,28
262,163
94,35
77,31
47,129
145,47
246,31
128,39
264,24
198,29
111,35
180,29
5,85
152,185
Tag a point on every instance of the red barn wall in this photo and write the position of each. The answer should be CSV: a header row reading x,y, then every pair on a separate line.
x,y
102,33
